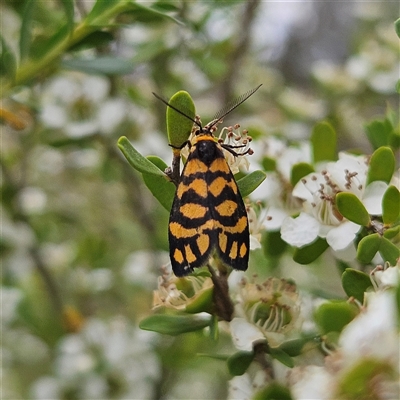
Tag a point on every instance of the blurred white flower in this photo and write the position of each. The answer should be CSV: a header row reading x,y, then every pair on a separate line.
x,y
32,200
139,268
383,277
312,382
374,332
78,104
102,352
10,298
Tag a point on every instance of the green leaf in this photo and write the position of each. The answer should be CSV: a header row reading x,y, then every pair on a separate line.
x,y
389,251
391,205
174,324
334,316
398,86
140,163
393,233
201,303
356,382
106,65
8,61
152,14
274,391
323,139
368,247
161,188
281,356
272,244
299,171
381,165
378,133
69,12
214,328
294,347
25,38
397,27
178,126
308,254
99,9
93,39
350,206
355,283
251,182
239,362
268,164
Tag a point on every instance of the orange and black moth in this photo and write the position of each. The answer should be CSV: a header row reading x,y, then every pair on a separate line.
x,y
208,215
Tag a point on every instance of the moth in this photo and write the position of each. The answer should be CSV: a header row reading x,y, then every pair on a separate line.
x,y
208,214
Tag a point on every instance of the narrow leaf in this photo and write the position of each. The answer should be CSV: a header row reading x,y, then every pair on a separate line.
x,y
140,163
299,171
397,27
391,205
100,8
8,62
175,324
389,251
69,12
106,65
368,247
323,139
178,126
308,254
239,362
350,206
355,283
281,356
274,391
26,29
334,316
162,189
381,165
250,182
378,133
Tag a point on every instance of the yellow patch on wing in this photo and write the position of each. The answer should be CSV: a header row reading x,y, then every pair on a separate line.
x,y
227,208
199,186
203,243
193,210
220,165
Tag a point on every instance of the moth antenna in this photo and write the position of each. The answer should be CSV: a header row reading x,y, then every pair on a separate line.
x,y
232,105
177,110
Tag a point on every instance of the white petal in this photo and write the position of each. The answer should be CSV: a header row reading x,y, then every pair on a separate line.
x,y
240,388
244,334
312,382
341,236
374,332
254,243
299,231
53,116
110,114
372,198
276,216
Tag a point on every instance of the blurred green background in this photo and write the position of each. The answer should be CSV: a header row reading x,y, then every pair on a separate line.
x,y
83,240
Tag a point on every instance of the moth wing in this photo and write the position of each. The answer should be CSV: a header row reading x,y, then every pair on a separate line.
x,y
191,231
229,212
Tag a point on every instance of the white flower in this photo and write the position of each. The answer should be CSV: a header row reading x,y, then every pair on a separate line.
x,y
244,334
312,382
373,333
78,104
383,277
320,216
268,311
